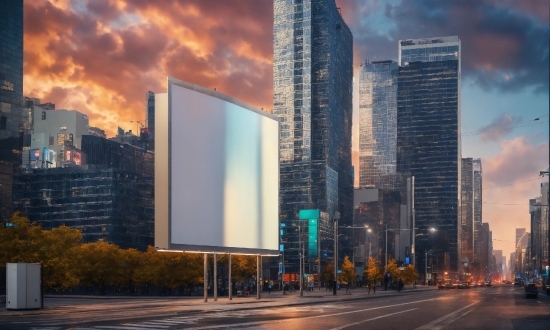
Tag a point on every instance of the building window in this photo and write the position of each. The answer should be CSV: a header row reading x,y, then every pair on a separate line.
x,y
3,122
43,115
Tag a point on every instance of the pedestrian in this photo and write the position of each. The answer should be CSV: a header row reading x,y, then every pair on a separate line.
x,y
373,287
269,289
368,287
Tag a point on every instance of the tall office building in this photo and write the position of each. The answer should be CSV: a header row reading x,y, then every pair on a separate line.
x,y
151,120
478,204
428,142
312,96
521,238
11,99
377,124
467,212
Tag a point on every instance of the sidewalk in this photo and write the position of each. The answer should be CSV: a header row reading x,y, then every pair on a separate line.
x,y
54,304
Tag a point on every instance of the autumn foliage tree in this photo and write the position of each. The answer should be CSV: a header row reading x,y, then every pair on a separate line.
x,y
67,263
373,272
348,271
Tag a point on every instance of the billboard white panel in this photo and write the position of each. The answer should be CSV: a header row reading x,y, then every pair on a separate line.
x,y
223,168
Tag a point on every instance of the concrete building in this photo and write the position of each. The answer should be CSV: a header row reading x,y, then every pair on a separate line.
x,y
467,212
56,133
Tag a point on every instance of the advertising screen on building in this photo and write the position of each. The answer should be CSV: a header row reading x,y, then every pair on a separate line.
x,y
35,154
216,173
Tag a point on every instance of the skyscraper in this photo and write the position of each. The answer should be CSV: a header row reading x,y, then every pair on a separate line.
x,y
428,141
377,124
11,98
151,120
312,95
467,212
478,203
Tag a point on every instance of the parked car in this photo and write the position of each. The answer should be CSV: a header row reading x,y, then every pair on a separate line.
x,y
473,285
487,283
463,285
531,290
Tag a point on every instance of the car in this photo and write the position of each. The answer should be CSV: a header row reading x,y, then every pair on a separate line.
x,y
473,285
487,283
531,290
463,285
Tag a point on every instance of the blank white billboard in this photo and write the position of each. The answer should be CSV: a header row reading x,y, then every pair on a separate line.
x,y
222,163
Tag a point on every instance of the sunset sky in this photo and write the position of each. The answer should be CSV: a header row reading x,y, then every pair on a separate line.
x,y
100,57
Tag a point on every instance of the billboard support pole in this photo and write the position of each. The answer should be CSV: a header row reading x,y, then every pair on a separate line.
x,y
205,286
215,278
258,276
230,283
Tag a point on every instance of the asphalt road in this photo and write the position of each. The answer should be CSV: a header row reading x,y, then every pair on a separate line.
x,y
497,307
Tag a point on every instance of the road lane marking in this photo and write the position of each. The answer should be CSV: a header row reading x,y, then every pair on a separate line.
x,y
372,319
309,317
432,324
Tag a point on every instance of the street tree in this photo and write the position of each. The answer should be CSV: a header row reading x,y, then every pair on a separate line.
x,y
393,269
409,274
348,271
373,272
59,248
99,265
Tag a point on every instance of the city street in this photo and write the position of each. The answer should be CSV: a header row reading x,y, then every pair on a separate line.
x,y
497,307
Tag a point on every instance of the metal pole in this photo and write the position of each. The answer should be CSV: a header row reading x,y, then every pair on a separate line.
x,y
386,269
413,250
215,278
335,256
258,263
205,286
283,278
426,268
230,283
301,252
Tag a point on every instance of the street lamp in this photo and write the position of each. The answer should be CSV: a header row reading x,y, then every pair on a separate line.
x,y
336,218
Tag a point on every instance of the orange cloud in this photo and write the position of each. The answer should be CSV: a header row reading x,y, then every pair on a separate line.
x,y
101,58
505,196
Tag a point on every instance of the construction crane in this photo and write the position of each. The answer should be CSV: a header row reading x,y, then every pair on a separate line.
x,y
139,124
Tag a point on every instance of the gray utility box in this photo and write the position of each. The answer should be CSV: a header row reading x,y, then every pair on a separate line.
x,y
23,283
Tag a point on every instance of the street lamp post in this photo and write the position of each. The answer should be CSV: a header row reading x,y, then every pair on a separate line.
x,y
336,218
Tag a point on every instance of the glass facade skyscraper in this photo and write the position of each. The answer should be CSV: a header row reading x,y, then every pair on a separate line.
x,y
11,98
428,147
467,212
312,69
478,204
378,124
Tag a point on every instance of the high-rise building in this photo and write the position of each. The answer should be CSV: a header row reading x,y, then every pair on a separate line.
x,y
521,238
151,120
428,142
539,230
378,124
467,212
478,204
312,96
11,99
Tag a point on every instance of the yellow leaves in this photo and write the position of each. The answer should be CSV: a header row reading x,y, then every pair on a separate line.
x,y
348,271
409,274
373,272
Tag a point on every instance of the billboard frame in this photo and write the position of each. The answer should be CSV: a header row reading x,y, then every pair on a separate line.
x,y
163,174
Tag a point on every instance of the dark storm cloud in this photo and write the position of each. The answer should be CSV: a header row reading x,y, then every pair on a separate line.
x,y
504,44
